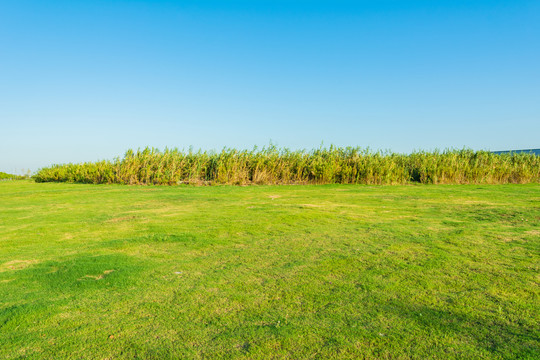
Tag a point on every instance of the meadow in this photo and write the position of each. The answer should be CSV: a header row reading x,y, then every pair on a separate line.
x,y
269,272
273,165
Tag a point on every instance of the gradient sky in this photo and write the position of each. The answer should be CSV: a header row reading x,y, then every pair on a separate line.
x,y
86,80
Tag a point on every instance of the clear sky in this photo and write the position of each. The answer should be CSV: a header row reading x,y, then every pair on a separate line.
x,y
86,80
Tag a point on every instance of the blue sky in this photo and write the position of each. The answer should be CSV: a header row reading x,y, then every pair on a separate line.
x,y
86,80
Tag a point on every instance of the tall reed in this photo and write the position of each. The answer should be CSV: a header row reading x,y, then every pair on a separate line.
x,y
273,165
6,176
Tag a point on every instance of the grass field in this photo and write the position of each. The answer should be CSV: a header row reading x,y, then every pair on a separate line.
x,y
269,272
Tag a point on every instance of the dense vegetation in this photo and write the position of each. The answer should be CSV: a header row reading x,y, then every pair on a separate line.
x,y
269,272
6,176
272,165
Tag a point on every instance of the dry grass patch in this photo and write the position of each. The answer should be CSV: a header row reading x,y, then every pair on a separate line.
x,y
15,265
97,277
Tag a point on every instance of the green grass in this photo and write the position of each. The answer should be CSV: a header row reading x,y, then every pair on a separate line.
x,y
260,272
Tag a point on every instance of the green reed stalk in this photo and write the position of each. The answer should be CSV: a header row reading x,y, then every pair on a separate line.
x,y
272,165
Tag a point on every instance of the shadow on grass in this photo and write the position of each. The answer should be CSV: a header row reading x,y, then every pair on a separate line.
x,y
44,288
502,339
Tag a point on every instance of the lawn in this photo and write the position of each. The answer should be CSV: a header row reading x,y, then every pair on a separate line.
x,y
269,272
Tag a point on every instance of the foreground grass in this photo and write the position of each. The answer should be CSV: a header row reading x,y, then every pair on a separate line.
x,y
318,272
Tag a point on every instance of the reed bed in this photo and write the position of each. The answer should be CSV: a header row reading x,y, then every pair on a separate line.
x,y
6,176
273,165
